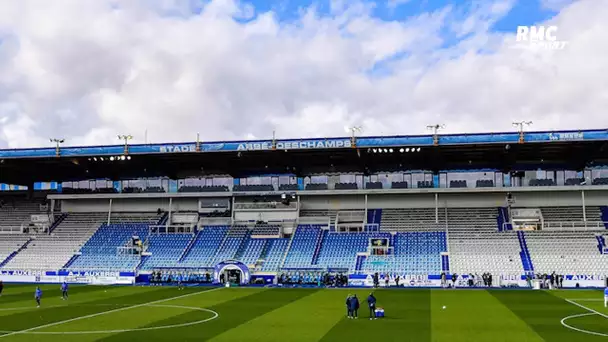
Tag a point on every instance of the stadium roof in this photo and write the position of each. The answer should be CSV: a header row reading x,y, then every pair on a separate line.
x,y
507,151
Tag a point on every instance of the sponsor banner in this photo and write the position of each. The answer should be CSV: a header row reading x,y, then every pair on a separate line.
x,y
94,277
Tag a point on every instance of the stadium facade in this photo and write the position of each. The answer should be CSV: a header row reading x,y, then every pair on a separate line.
x,y
514,205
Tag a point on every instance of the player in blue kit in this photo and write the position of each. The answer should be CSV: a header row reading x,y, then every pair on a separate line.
x,y
64,291
38,295
606,297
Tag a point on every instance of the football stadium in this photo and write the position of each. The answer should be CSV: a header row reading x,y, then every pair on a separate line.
x,y
489,237
303,170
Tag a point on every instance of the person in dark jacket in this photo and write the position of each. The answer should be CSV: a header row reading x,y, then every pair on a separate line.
x,y
349,300
371,302
354,307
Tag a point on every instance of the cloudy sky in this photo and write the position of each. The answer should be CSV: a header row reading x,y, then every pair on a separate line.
x,y
89,70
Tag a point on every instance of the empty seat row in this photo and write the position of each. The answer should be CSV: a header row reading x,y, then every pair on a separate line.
x,y
373,185
541,182
458,184
253,187
484,183
399,185
289,187
346,186
206,188
316,186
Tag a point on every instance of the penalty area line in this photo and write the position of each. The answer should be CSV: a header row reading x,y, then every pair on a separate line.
x,y
107,312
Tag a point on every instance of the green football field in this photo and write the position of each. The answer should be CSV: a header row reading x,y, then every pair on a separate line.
x,y
95,313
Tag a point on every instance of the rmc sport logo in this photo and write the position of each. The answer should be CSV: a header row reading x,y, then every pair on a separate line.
x,y
539,37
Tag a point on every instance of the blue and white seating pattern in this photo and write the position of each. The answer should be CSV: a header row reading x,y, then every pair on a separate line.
x,y
100,252
204,248
339,250
229,248
274,256
303,246
166,250
253,251
415,253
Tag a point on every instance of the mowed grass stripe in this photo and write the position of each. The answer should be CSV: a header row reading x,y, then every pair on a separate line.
x,y
84,307
304,320
51,298
408,317
475,315
26,293
232,313
543,312
146,315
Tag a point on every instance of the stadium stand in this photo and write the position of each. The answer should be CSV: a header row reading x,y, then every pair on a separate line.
x,y
414,253
234,240
303,246
16,212
476,245
397,220
274,255
203,250
48,252
100,252
568,252
165,250
339,250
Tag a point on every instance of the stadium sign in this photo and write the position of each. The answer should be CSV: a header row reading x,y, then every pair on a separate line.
x,y
296,145
180,148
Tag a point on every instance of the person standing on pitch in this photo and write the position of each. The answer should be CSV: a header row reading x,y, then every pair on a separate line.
x,y
349,299
38,295
371,302
354,307
1,287
606,297
64,291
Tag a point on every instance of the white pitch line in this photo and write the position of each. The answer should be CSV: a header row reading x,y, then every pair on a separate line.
x,y
106,312
578,329
586,308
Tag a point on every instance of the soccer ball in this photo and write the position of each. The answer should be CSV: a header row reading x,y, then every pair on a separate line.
x,y
444,307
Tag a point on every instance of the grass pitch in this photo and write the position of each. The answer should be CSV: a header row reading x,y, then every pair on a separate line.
x,y
113,314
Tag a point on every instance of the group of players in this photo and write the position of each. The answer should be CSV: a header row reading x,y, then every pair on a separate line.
x,y
352,306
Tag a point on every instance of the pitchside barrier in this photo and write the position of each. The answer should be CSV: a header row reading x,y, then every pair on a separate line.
x,y
506,280
72,277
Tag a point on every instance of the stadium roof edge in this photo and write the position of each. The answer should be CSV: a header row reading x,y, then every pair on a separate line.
x,y
310,143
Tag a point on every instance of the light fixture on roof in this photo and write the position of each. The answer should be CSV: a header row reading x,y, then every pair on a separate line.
x,y
123,158
418,150
401,150
101,158
374,150
385,151
94,158
112,158
128,157
407,149
390,150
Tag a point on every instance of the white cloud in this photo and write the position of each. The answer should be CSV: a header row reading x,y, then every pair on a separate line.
x,y
89,71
